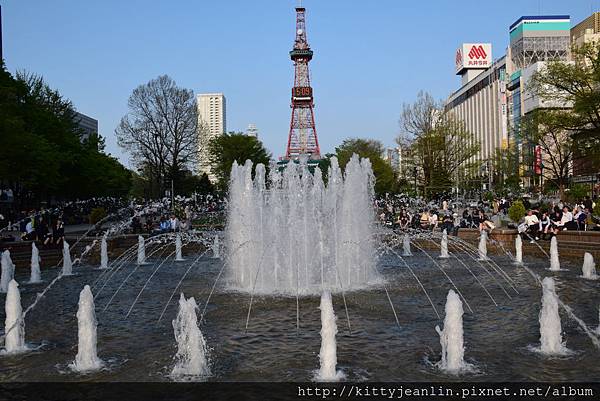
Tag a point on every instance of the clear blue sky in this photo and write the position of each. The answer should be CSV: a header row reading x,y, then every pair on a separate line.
x,y
370,56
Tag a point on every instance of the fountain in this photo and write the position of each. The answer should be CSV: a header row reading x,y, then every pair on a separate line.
x,y
550,327
14,323
191,357
87,357
216,248
328,355
141,253
178,255
406,246
589,267
8,271
300,236
483,245
67,269
554,261
103,253
451,338
518,250
36,275
598,328
444,246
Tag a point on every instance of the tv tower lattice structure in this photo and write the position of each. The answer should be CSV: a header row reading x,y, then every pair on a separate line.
x,y
302,139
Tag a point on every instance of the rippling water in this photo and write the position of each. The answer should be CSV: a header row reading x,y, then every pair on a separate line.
x,y
139,348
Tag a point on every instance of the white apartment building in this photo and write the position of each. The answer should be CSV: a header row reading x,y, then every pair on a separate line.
x,y
212,123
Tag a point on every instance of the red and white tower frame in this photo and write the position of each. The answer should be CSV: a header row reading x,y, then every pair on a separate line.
x,y
302,139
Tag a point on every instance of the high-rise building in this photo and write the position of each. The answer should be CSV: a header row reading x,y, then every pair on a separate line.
x,y
493,97
252,131
587,30
539,38
534,40
481,105
87,124
212,123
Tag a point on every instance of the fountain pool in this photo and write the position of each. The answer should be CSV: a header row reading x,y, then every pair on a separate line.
x,y
376,348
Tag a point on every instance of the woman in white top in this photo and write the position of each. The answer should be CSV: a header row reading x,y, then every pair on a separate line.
x,y
567,217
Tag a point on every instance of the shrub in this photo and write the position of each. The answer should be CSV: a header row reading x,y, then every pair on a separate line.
x,y
596,211
97,214
516,211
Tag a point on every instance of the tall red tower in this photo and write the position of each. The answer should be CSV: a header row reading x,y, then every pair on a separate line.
x,y
302,139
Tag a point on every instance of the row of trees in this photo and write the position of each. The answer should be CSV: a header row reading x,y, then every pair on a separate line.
x,y
439,145
569,130
42,153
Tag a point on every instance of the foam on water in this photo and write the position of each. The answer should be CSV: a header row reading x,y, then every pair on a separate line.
x,y
406,246
8,271
589,267
483,245
141,252
518,250
328,354
67,268
87,355
104,253
554,260
191,358
178,253
451,338
444,246
36,275
551,342
14,324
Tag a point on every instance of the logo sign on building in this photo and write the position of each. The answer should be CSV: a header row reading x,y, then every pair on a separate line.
x,y
473,56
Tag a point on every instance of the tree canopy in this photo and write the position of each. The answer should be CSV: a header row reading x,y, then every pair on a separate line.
x,y
235,146
439,143
576,85
42,151
385,179
160,132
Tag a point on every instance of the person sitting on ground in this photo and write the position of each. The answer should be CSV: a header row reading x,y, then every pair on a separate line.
x,y
579,218
533,224
424,220
58,232
545,225
404,219
164,225
433,220
566,221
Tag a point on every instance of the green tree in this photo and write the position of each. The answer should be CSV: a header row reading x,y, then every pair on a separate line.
x,y
235,146
505,171
440,144
575,84
544,128
42,155
385,179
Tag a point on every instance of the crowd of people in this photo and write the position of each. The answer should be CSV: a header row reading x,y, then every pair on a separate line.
x,y
541,221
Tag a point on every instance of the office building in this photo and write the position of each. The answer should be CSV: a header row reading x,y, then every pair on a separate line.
x,y
212,123
88,125
587,30
252,131
481,105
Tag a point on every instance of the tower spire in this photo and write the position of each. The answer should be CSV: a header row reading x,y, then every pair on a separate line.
x,y
302,139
